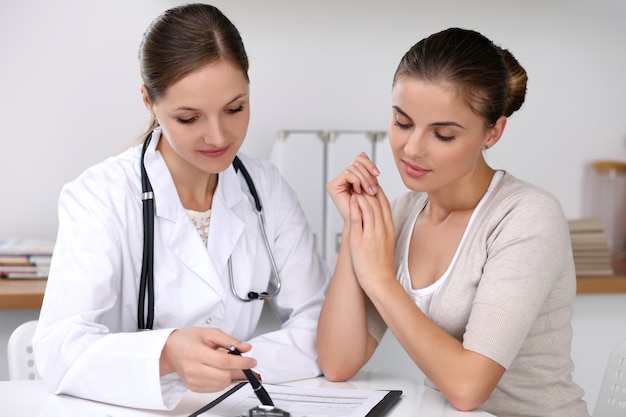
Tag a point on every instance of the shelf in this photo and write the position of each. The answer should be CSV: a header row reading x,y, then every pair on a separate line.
x,y
604,285
21,294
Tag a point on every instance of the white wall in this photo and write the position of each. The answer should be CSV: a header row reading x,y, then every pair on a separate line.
x,y
69,83
69,95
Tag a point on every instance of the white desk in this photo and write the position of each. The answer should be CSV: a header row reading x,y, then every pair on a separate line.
x,y
31,399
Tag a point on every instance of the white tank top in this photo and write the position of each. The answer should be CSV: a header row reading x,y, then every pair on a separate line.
x,y
424,297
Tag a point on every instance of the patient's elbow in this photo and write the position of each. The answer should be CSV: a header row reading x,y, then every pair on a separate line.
x,y
467,398
338,371
465,404
339,367
336,374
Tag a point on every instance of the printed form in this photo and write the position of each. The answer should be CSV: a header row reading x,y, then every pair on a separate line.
x,y
301,402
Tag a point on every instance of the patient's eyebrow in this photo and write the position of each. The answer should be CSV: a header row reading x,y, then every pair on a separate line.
x,y
402,112
442,123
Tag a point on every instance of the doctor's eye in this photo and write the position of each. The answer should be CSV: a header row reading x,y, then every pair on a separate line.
x,y
186,121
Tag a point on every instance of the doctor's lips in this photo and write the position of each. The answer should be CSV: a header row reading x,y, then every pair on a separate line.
x,y
414,171
215,153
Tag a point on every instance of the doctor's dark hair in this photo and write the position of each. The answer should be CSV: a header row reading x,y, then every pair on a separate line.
x,y
184,39
488,78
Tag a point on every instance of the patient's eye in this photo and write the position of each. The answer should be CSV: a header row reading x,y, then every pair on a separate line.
x,y
236,110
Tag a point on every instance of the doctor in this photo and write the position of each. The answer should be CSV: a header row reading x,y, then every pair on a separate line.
x,y
214,260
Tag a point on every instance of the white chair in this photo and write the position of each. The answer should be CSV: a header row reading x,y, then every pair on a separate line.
x,y
612,397
20,352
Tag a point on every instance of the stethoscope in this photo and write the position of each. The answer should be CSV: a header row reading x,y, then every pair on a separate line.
x,y
146,285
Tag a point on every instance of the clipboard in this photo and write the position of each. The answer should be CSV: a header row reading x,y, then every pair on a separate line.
x,y
385,404
376,403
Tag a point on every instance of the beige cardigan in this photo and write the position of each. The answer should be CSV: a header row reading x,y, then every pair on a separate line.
x,y
509,297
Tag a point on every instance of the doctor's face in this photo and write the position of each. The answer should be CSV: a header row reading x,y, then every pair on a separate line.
x,y
204,118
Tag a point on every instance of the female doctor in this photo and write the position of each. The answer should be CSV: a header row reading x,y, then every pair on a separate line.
x,y
214,257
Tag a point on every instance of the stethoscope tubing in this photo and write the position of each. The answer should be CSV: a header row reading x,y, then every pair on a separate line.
x,y
146,283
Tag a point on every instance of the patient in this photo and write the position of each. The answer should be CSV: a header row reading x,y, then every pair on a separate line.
x,y
472,269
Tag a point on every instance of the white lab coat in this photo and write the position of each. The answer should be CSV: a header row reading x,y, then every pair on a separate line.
x,y
87,343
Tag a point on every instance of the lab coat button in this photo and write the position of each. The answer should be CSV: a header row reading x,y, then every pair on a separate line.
x,y
208,320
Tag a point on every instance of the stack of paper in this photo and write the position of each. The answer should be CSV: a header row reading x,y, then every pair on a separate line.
x,y
590,244
25,257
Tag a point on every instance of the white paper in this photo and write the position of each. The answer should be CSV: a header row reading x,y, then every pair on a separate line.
x,y
301,402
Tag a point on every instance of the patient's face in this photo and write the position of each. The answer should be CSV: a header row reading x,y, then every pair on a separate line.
x,y
436,138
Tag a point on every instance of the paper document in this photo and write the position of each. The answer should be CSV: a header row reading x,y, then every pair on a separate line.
x,y
303,402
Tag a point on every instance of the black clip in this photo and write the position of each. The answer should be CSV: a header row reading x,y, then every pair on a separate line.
x,y
267,411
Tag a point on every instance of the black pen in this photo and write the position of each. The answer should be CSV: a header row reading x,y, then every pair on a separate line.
x,y
258,389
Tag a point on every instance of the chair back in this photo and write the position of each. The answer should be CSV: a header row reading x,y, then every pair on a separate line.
x,y
612,397
20,352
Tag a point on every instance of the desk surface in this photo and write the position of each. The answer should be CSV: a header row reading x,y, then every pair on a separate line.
x,y
31,399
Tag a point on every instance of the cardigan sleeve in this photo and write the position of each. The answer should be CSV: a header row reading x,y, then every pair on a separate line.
x,y
518,300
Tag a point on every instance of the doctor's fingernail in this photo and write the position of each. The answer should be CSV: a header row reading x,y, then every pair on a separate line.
x,y
373,189
375,171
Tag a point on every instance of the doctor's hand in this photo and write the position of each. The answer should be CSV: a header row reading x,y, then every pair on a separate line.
x,y
372,240
198,356
358,178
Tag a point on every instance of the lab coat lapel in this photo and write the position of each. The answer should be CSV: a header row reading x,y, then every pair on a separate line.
x,y
185,242
226,225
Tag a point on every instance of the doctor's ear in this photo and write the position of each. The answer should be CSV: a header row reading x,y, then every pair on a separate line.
x,y
146,99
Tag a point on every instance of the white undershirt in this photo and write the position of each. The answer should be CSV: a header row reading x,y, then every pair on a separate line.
x,y
201,220
424,297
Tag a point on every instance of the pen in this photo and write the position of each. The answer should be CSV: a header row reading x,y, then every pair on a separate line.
x,y
258,389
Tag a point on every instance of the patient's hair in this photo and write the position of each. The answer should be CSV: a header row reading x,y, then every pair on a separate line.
x,y
487,77
182,40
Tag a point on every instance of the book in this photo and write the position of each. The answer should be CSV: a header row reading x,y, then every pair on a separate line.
x,y
598,239
25,246
24,271
25,257
595,272
13,259
25,275
590,247
23,268
586,225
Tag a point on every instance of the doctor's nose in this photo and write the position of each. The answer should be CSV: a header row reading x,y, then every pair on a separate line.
x,y
214,134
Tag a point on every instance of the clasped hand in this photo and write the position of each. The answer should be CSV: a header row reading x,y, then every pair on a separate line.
x,y
367,218
198,356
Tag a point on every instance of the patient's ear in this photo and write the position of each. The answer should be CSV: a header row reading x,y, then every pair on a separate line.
x,y
495,132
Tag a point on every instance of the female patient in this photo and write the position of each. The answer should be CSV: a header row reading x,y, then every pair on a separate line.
x,y
214,263
472,269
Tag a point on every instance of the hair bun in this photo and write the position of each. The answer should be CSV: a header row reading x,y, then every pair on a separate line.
x,y
516,83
